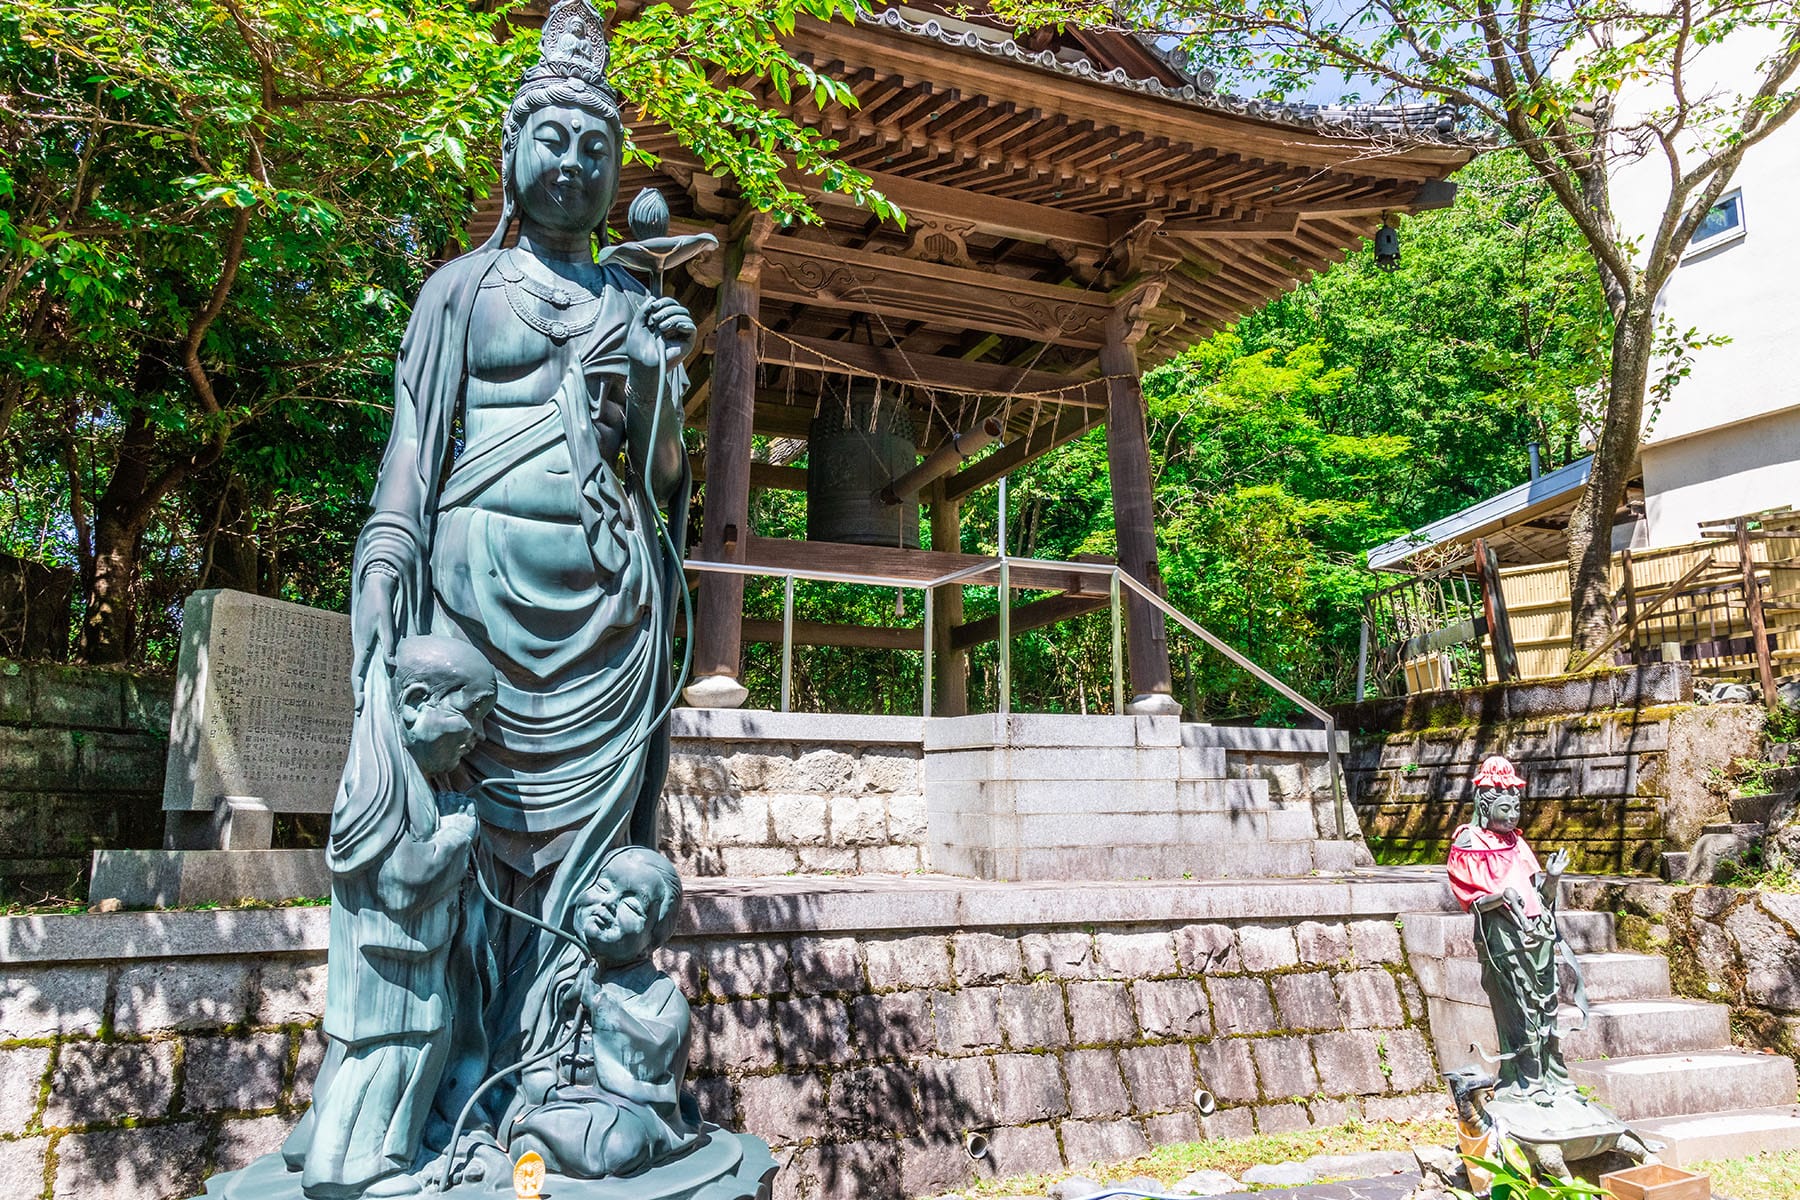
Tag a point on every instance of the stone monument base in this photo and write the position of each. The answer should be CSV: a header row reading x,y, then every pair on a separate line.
x,y
723,1166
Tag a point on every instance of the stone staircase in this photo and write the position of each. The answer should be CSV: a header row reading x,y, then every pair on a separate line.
x,y
1745,820
1041,796
1663,1063
1285,773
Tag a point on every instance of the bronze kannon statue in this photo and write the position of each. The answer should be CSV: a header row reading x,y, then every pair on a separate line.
x,y
496,888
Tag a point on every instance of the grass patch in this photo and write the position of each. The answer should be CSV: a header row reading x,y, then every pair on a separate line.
x,y
1166,1164
1759,1177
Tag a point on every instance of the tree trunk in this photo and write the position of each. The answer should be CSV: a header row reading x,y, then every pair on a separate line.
x,y
109,626
1590,526
232,554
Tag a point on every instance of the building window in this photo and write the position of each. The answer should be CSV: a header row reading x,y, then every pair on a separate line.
x,y
1724,223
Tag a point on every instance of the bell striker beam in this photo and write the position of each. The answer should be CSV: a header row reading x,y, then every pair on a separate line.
x,y
725,524
1128,459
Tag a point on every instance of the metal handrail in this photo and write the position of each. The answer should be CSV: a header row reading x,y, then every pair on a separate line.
x,y
1118,579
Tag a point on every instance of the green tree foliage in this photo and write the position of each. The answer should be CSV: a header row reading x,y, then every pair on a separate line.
x,y
1580,89
1490,334
212,213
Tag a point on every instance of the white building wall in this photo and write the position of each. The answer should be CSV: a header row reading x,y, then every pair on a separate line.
x,y
1728,440
1720,473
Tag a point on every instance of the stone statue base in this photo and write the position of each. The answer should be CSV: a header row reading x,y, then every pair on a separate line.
x,y
723,1166
1578,1128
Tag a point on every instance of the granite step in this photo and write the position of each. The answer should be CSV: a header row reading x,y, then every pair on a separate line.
x,y
1452,935
1669,1085
1724,1135
1587,932
1620,975
1610,975
1628,1028
1754,810
1744,829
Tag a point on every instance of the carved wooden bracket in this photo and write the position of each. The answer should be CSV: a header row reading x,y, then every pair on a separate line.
x,y
938,240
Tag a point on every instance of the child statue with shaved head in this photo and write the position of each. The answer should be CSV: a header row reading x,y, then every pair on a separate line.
x,y
399,855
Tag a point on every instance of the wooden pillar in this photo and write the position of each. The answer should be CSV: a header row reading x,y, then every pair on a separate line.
x,y
1759,631
950,697
1128,458
725,512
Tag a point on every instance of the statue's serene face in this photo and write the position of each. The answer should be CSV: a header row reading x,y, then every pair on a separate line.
x,y
1504,807
566,167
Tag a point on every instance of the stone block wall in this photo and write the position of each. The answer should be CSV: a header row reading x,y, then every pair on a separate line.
x,y
141,1052
81,767
1617,764
759,793
140,1079
1725,945
870,1058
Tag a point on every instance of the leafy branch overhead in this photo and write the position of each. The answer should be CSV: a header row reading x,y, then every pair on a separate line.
x,y
212,215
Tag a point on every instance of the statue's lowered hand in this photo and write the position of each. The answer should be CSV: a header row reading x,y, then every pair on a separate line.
x,y
461,827
373,625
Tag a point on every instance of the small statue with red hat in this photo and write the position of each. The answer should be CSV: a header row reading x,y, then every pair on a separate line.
x,y
1528,1110
1496,876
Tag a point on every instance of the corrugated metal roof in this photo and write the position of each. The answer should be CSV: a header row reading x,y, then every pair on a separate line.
x,y
1511,507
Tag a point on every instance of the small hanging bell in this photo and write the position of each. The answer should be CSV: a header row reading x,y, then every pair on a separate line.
x,y
1387,248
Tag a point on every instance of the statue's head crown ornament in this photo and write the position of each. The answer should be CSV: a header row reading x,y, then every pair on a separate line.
x,y
572,49
571,69
1497,772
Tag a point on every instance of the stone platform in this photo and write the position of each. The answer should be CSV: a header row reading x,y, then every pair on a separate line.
x,y
862,1025
723,1166
749,793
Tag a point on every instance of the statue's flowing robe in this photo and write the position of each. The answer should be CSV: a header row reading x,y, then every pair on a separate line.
x,y
577,620
1518,965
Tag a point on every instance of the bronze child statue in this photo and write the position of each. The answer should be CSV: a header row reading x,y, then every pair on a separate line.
x,y
399,853
614,1105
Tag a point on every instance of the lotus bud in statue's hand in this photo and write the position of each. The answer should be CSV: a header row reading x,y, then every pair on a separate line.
x,y
648,215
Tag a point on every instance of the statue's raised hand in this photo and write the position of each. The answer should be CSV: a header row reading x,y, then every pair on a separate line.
x,y
661,334
1554,866
373,625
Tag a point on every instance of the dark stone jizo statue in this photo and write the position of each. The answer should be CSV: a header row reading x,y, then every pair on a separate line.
x,y
1529,1111
497,895
1497,877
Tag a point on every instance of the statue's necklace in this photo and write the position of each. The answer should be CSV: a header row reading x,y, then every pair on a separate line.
x,y
560,295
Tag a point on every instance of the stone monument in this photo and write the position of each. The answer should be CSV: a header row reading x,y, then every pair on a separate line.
x,y
1529,1110
497,898
261,716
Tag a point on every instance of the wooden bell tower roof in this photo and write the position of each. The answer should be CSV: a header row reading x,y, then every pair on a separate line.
x,y
1045,185
1074,204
